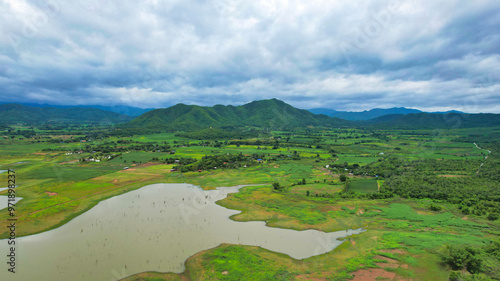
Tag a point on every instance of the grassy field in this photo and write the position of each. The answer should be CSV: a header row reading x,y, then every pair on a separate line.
x,y
364,186
404,237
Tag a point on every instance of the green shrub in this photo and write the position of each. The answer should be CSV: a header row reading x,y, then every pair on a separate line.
x,y
493,216
435,208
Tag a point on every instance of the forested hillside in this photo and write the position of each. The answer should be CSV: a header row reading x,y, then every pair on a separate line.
x,y
17,113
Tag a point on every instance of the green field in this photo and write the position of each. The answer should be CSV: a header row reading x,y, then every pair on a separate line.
x,y
418,194
364,186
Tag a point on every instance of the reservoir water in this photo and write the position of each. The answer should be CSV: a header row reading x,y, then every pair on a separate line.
x,y
154,228
3,198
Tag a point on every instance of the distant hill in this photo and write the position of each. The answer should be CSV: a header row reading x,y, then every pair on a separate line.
x,y
16,113
120,109
369,114
271,113
436,120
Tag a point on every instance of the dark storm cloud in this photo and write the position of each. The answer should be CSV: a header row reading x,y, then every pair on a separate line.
x,y
346,55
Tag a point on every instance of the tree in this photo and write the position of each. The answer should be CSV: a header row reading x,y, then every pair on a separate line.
x,y
343,178
307,193
277,186
303,181
493,216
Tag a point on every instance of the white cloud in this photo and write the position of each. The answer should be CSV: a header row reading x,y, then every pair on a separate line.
x,y
352,55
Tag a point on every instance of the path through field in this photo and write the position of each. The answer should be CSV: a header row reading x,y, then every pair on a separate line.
x,y
486,157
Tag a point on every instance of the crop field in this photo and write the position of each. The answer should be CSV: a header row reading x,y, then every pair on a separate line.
x,y
364,186
418,194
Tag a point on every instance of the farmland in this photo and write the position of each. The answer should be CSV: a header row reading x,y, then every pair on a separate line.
x,y
418,193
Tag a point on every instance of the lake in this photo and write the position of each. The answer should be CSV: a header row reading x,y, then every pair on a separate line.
x,y
154,228
4,199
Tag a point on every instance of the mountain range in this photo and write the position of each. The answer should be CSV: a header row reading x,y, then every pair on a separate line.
x,y
17,113
370,114
436,120
120,109
272,113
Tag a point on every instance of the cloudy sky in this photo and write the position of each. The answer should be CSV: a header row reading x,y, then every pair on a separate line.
x,y
346,55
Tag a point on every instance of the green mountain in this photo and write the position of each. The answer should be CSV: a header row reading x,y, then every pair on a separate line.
x,y
363,115
271,113
436,120
12,113
370,114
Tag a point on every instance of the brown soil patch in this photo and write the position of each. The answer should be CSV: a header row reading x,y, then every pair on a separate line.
x,y
70,162
452,176
465,218
115,180
371,274
389,264
360,212
225,272
353,242
351,208
40,153
145,165
51,193
394,251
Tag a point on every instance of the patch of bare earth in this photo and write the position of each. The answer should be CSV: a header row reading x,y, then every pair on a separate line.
x,y
70,162
394,251
51,193
148,164
389,262
375,274
372,274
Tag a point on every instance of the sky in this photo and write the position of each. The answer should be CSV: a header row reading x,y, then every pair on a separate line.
x,y
345,55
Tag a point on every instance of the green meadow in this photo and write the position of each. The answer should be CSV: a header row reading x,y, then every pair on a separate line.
x,y
326,179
